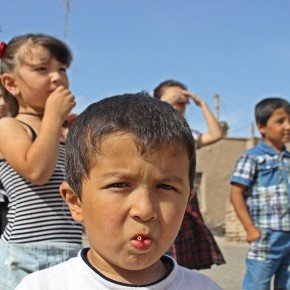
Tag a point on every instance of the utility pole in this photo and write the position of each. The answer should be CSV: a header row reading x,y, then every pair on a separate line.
x,y
217,106
67,11
252,130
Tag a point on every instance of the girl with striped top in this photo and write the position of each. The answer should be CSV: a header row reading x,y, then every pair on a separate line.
x,y
40,232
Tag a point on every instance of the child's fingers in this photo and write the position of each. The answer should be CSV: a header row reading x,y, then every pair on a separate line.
x,y
73,102
192,96
61,101
61,90
196,99
253,234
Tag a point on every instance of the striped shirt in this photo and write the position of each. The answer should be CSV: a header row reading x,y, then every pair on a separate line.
x,y
38,213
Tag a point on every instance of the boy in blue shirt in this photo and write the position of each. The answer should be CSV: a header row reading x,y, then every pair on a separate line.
x,y
260,194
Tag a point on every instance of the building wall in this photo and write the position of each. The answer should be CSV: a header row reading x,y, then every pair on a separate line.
x,y
215,164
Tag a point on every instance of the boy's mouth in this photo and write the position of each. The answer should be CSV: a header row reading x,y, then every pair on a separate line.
x,y
142,242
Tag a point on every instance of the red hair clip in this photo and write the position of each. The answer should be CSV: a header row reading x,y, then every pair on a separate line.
x,y
2,48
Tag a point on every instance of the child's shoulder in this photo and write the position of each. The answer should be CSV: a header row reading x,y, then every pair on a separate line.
x,y
7,123
254,152
12,126
7,120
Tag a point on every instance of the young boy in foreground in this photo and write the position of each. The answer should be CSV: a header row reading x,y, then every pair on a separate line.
x,y
262,175
130,170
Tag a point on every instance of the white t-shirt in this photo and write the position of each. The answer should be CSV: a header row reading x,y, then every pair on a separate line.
x,y
78,274
196,136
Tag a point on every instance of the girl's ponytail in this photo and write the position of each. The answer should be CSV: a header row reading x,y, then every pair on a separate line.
x,y
10,100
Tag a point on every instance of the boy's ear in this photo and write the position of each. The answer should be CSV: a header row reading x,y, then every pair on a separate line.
x,y
72,200
261,128
9,83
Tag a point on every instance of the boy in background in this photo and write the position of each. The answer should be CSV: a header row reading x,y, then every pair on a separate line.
x,y
260,194
130,168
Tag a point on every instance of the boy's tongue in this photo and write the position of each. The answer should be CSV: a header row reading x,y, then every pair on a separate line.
x,y
141,243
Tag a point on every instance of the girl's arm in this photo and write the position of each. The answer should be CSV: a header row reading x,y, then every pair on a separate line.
x,y
214,130
239,204
36,160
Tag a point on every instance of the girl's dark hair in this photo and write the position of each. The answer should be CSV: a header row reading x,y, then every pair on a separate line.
x,y
158,91
265,108
11,57
153,123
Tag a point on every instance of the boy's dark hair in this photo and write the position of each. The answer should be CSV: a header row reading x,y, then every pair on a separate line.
x,y
153,123
158,91
265,108
11,57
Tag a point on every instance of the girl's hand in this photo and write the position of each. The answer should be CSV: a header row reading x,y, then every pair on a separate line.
x,y
253,234
194,97
60,102
174,97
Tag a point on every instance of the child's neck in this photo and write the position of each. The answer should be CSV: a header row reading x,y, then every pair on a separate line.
x,y
141,277
277,146
31,114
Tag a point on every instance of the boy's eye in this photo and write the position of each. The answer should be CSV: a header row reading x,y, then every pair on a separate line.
x,y
165,187
117,185
63,69
41,69
280,121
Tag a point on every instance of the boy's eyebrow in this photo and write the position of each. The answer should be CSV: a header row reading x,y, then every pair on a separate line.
x,y
114,174
165,178
172,179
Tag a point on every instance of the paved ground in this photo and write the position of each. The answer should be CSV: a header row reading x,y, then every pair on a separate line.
x,y
230,275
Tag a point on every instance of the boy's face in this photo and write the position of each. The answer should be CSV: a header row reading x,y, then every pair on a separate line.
x,y
132,207
277,130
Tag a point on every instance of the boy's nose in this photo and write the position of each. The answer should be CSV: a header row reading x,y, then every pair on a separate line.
x,y
144,206
56,77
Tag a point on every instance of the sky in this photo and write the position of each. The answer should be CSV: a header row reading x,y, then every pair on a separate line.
x,y
239,49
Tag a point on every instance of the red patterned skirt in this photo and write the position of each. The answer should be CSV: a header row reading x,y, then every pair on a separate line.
x,y
195,246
